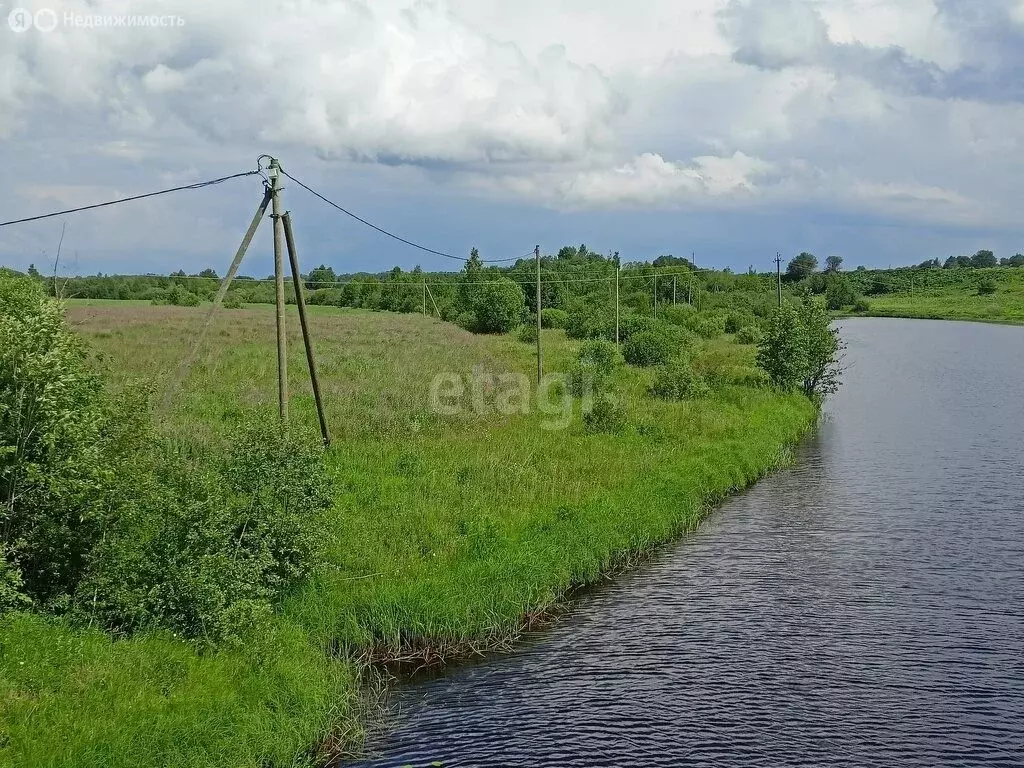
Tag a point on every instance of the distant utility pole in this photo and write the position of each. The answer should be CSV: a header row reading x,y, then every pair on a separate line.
x,y
282,341
673,290
540,360
778,272
617,269
424,295
655,294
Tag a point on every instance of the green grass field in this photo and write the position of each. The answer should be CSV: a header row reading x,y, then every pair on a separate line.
x,y
454,532
960,302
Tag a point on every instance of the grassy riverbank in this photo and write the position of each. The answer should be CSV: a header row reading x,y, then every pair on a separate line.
x,y
956,300
452,532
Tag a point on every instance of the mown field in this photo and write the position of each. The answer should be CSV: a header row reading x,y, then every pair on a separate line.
x,y
961,301
453,532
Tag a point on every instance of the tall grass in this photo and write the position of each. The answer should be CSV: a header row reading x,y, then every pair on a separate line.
x,y
455,532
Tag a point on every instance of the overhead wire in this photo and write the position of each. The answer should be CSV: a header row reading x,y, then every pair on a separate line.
x,y
197,185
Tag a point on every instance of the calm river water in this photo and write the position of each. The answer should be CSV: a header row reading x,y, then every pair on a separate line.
x,y
863,608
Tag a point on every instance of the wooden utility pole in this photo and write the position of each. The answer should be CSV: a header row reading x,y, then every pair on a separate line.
x,y
282,341
778,272
673,290
618,268
307,339
424,295
540,361
655,295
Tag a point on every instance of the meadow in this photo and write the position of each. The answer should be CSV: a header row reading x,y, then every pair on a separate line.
x,y
453,532
954,299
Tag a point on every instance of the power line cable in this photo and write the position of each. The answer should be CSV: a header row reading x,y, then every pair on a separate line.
x,y
392,235
198,185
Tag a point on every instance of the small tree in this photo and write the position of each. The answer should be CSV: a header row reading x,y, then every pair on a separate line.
x,y
800,349
984,259
834,263
208,273
321,277
801,266
498,306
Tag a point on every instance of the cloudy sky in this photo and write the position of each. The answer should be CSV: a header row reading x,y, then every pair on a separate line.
x,y
885,131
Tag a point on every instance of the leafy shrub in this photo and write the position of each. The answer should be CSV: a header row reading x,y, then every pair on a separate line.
x,y
678,381
602,354
466,320
801,349
498,306
234,301
528,333
707,326
987,286
53,439
677,314
749,334
740,319
649,348
861,305
180,296
606,416
631,324
596,362
589,325
840,293
206,539
554,318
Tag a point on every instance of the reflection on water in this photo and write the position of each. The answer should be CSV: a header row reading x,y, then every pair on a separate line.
x,y
864,608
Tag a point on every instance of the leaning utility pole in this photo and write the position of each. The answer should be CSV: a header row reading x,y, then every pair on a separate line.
x,y
282,341
778,272
540,363
307,340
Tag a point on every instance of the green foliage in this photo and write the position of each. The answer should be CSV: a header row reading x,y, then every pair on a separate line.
x,y
647,348
498,306
984,259
834,263
554,318
595,364
527,332
749,334
677,314
466,320
53,443
801,266
601,354
706,325
739,319
589,324
233,301
987,286
801,349
840,293
606,416
861,305
678,381
631,324
207,540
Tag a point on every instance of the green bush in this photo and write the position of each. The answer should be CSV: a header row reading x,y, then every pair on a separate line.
x,y
861,305
649,348
498,306
840,293
234,301
707,326
632,324
55,445
801,349
987,286
602,354
207,539
528,333
554,318
180,296
677,314
606,416
734,321
749,334
466,320
678,381
589,325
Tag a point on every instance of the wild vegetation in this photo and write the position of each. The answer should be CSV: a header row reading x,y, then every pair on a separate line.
x,y
221,584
